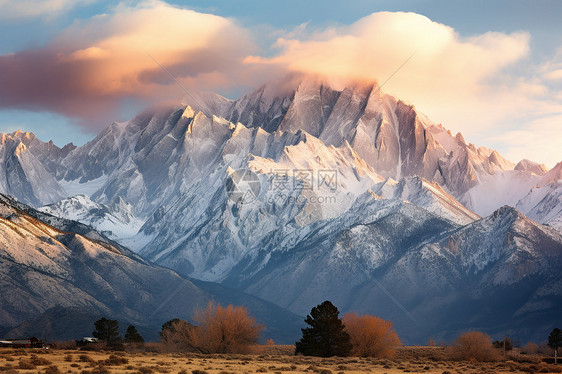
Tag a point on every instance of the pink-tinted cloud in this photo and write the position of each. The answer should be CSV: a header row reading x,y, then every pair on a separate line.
x,y
446,70
92,65
466,83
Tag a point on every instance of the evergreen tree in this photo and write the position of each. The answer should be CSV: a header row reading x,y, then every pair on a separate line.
x,y
107,330
133,336
500,344
327,336
555,339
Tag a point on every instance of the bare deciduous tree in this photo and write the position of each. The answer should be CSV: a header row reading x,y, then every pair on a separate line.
x,y
474,345
224,330
371,336
218,330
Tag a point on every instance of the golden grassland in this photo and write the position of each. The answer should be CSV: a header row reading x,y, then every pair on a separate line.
x,y
265,359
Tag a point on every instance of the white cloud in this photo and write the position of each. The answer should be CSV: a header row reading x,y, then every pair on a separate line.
x,y
554,74
15,9
538,140
483,85
467,83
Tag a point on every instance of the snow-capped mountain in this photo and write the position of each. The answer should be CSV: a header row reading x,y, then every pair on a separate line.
x,y
303,191
543,203
428,195
26,174
428,275
496,274
391,136
43,266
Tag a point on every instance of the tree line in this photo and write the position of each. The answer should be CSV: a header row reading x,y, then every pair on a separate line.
x,y
231,329
107,332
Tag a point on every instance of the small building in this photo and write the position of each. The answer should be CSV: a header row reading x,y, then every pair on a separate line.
x,y
86,340
32,342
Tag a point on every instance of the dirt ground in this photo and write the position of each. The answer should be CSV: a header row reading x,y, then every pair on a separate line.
x,y
272,359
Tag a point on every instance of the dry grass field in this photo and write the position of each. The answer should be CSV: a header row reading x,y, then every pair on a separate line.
x,y
267,359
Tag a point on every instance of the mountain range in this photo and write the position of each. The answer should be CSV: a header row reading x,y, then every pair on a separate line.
x,y
355,197
53,268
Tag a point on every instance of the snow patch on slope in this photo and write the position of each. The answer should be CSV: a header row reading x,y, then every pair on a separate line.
x,y
75,187
117,220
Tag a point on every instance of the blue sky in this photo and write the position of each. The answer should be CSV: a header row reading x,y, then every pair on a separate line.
x,y
509,98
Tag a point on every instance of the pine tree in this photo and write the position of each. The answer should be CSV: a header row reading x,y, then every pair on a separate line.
x,y
107,330
327,336
133,336
554,341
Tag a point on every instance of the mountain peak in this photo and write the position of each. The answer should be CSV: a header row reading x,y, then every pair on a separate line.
x,y
553,175
188,112
531,166
507,212
460,139
23,134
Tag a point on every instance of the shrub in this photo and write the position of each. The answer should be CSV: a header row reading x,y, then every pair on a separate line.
x,y
67,344
97,370
545,349
371,336
53,369
26,365
39,361
115,360
94,346
474,345
85,358
175,335
530,349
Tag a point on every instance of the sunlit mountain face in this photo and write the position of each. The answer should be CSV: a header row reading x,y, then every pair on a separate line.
x,y
318,193
400,164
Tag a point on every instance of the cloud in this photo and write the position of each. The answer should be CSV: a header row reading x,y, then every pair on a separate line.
x,y
10,9
540,138
445,71
91,66
480,85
